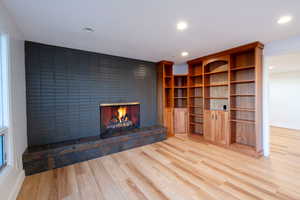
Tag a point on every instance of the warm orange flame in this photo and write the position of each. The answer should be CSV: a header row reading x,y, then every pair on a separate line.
x,y
121,113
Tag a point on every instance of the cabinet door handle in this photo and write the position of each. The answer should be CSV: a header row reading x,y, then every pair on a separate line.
x,y
216,117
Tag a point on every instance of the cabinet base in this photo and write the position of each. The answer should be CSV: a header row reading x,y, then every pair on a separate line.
x,y
240,148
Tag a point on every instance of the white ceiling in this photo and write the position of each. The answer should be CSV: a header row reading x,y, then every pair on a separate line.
x,y
146,29
284,63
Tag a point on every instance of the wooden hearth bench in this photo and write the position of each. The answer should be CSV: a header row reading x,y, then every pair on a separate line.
x,y
46,157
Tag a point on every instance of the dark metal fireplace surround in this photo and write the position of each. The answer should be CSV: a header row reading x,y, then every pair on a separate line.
x,y
120,130
117,118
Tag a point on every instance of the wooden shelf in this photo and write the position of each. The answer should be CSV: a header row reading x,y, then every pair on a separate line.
x,y
196,123
216,97
195,75
243,121
216,85
196,86
193,134
168,76
196,97
217,72
180,75
195,106
197,115
180,106
243,109
180,87
242,95
242,68
180,97
242,81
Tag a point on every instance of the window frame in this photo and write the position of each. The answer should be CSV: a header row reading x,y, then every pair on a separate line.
x,y
3,132
4,97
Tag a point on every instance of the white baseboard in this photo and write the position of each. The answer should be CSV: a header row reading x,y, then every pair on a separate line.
x,y
17,187
284,126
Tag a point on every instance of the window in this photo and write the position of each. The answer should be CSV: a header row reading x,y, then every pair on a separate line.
x,y
2,152
3,100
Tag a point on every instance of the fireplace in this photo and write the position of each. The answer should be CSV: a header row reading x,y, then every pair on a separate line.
x,y
122,120
117,118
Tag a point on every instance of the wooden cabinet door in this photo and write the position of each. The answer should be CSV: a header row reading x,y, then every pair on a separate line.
x,y
209,125
168,121
221,127
180,120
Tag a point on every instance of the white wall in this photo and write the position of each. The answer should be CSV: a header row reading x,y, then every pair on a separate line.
x,y
180,68
280,47
285,99
12,176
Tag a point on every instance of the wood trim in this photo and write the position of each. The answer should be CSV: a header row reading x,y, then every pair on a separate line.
x,y
233,147
119,104
258,100
229,51
229,136
165,62
280,127
160,97
214,59
245,150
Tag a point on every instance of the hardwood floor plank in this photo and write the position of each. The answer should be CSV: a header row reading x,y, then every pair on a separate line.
x,y
235,180
104,181
128,187
168,184
144,184
245,192
47,187
178,169
88,188
189,186
66,179
30,187
139,194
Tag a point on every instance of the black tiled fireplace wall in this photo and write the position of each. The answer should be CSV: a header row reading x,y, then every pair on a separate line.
x,y
65,87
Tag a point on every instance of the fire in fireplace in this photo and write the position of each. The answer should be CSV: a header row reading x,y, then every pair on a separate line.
x,y
120,119
116,118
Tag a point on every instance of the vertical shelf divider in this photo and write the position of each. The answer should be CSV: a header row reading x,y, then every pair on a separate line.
x,y
195,100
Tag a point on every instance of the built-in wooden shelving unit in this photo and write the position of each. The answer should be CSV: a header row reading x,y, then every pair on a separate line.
x,y
223,95
232,82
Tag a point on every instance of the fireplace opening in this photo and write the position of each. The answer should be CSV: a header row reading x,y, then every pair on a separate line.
x,y
115,118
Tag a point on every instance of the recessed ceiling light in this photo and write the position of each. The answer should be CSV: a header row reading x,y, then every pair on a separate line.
x,y
182,25
284,19
184,54
88,29
271,67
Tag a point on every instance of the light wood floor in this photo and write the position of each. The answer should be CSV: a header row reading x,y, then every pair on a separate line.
x,y
177,169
